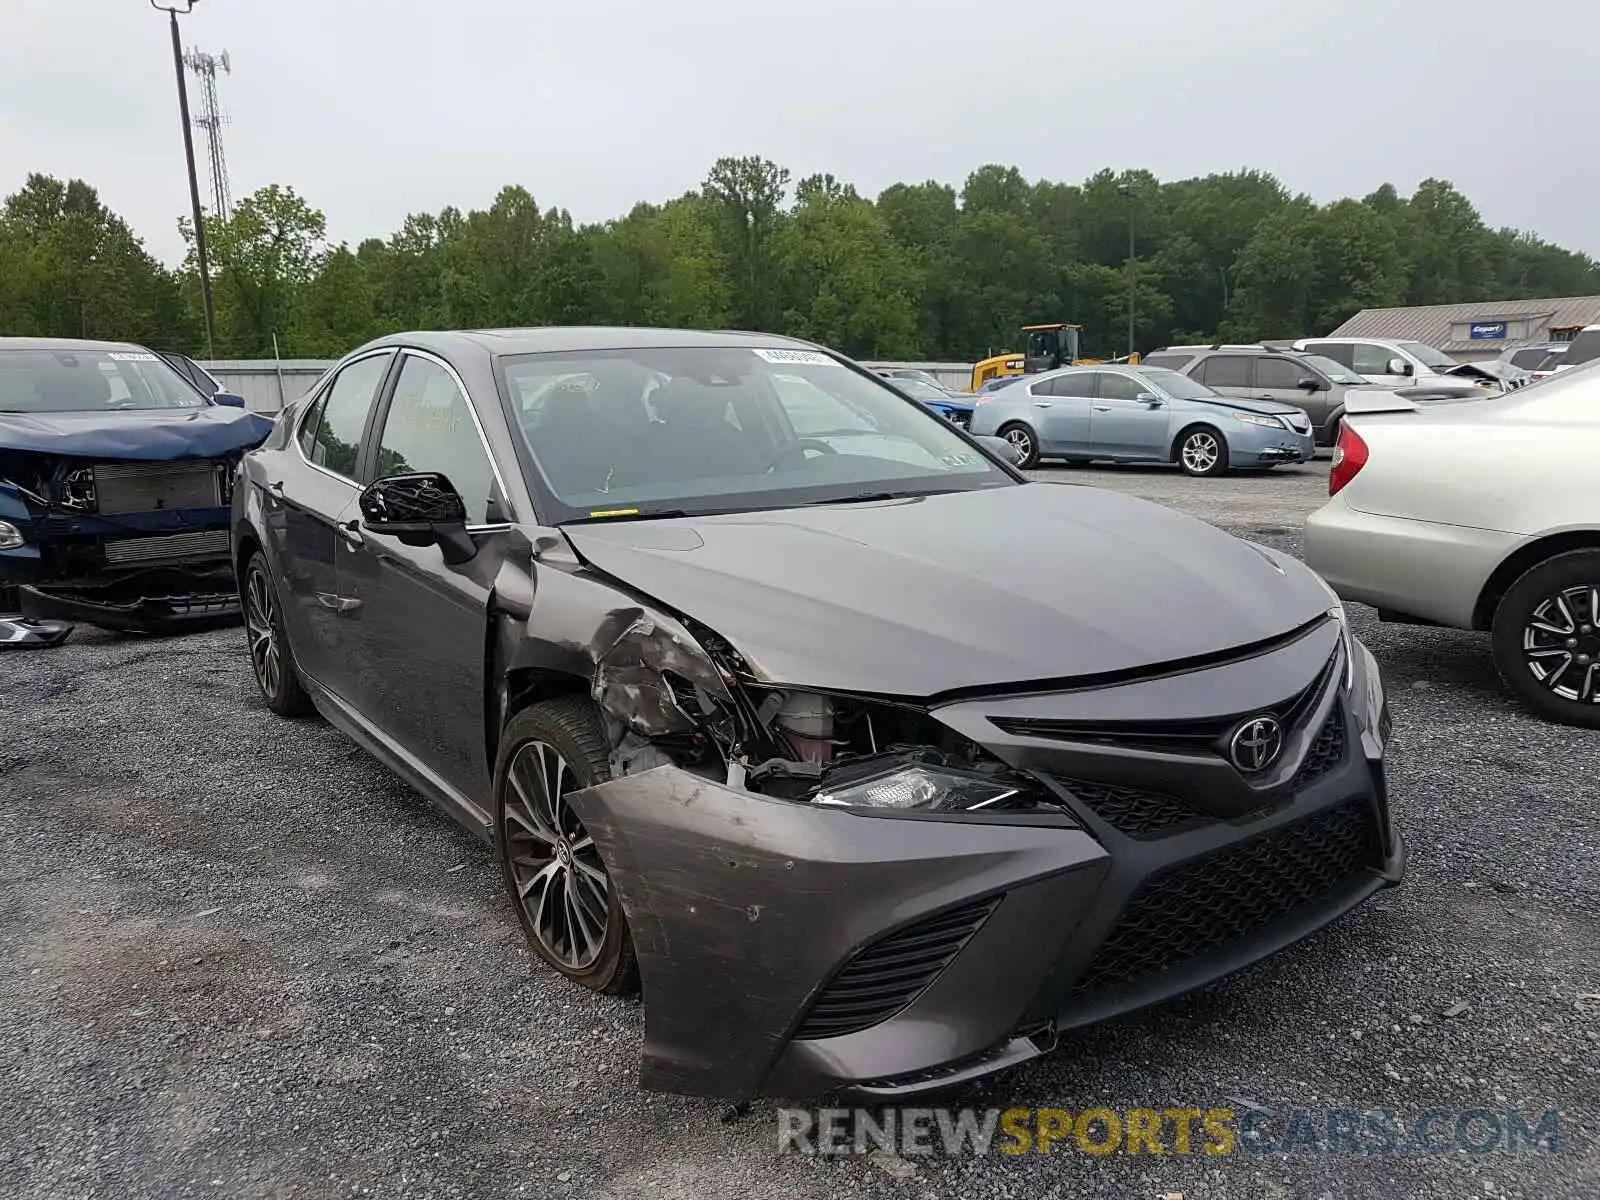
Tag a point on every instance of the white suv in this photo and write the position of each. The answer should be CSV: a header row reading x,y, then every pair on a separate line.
x,y
1386,363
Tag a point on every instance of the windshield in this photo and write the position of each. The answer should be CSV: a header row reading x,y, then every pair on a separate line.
x,y
1337,372
635,433
61,381
1179,387
1427,355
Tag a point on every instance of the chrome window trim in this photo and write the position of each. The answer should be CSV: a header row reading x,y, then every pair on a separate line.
x,y
483,439
316,395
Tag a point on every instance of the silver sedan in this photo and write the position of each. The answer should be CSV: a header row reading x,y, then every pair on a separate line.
x,y
1479,514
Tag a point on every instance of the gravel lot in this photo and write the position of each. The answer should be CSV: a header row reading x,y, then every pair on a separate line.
x,y
237,957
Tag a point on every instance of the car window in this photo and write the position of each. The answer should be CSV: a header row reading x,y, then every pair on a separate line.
x,y
429,427
1528,360
1371,360
1079,383
1118,387
336,445
1225,370
90,380
1175,362
1341,352
1583,348
1279,373
813,412
308,424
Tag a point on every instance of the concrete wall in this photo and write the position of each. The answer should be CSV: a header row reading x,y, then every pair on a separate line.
x,y
267,386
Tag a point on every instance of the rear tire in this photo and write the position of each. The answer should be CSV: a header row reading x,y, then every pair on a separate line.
x,y
1025,440
271,657
1546,638
1202,451
569,908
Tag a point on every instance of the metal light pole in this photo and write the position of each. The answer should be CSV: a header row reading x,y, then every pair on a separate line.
x,y
172,9
1126,190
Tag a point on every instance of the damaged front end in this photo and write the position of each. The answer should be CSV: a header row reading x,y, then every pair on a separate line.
x,y
126,544
797,867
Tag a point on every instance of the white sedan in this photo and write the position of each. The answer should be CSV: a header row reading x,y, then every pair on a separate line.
x,y
1479,514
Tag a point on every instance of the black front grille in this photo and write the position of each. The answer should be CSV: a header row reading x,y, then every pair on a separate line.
x,y
1136,813
1326,752
1203,904
882,979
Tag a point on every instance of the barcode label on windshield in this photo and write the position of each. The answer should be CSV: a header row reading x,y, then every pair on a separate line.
x,y
130,356
798,358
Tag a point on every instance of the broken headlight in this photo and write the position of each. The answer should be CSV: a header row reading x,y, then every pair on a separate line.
x,y
921,788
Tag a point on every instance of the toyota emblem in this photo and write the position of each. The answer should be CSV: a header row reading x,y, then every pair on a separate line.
x,y
1256,744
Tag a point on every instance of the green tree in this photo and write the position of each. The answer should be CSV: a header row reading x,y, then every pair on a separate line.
x,y
747,195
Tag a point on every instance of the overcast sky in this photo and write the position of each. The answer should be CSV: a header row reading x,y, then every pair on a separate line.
x,y
375,108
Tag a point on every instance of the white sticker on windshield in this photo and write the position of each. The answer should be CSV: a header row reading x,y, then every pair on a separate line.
x,y
805,358
130,356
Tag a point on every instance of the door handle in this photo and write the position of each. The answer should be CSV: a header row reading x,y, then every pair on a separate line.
x,y
350,531
1041,404
1102,408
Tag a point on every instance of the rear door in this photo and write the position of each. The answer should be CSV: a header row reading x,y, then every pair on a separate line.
x,y
1228,374
1061,412
1124,425
311,487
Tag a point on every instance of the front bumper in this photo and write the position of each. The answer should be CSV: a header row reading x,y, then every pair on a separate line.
x,y
795,951
1264,447
166,599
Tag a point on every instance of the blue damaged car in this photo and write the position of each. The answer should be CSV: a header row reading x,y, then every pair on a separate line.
x,y
116,476
1141,414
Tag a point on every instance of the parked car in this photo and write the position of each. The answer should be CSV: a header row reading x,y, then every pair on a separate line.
x,y
1583,348
1310,382
915,374
1551,362
1530,358
952,406
1142,414
203,380
1407,363
778,727
1479,514
115,481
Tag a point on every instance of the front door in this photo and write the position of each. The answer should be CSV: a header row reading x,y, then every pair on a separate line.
x,y
415,629
1124,425
1280,379
318,468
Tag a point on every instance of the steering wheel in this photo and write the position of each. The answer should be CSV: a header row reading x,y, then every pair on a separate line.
x,y
800,446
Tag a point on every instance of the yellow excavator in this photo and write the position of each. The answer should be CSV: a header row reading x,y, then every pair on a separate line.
x,y
1048,347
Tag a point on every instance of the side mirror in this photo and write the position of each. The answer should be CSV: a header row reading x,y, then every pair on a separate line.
x,y
1310,384
227,399
1150,398
420,510
1000,448
1399,366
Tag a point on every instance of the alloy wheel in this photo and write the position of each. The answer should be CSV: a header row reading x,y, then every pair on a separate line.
x,y
1200,452
560,881
1022,441
1561,643
261,623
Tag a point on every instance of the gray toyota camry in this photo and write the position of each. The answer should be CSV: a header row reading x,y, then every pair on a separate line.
x,y
875,765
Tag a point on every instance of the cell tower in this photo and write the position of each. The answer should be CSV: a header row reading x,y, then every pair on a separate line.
x,y
211,118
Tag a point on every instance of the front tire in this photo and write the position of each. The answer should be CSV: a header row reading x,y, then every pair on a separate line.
x,y
1026,442
1546,638
1202,451
569,909
271,657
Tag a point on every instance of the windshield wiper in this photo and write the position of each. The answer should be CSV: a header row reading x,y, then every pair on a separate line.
x,y
872,497
600,516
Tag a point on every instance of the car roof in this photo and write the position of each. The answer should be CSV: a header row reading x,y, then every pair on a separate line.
x,y
43,343
581,338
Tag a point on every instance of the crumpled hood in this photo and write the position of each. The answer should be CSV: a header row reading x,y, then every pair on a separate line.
x,y
919,597
154,434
